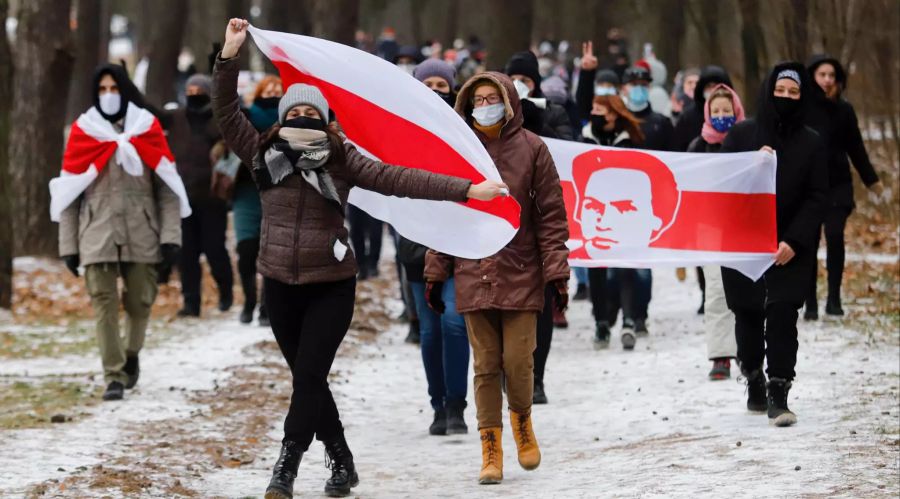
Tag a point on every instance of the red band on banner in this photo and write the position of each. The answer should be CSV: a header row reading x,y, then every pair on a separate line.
x,y
399,140
709,221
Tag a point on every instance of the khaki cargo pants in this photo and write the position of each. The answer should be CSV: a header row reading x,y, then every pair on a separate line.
x,y
137,298
502,341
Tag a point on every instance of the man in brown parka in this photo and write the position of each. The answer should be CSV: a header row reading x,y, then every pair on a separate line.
x,y
502,295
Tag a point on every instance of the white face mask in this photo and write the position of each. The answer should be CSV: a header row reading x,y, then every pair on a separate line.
x,y
489,115
521,89
408,68
110,103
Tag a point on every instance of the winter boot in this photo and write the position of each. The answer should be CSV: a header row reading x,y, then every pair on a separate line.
x,y
456,423
539,396
526,443
114,391
601,335
281,486
226,300
811,311
413,337
581,293
833,307
491,456
246,316
343,471
628,337
559,319
721,369
439,425
189,311
132,369
640,328
263,316
756,389
779,414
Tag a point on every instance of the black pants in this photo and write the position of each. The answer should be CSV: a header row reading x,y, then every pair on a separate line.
x,y
544,334
601,295
309,322
365,235
248,252
834,224
204,233
768,333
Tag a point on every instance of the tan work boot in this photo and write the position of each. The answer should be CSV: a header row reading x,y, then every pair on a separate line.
x,y
491,456
526,443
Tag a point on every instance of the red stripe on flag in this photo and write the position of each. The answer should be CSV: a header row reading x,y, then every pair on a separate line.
x,y
723,221
709,221
82,150
398,141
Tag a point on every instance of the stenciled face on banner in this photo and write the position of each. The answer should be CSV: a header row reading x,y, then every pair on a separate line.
x,y
620,199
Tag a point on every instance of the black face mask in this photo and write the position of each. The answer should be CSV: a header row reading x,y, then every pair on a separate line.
x,y
448,97
786,107
197,101
267,102
598,122
304,122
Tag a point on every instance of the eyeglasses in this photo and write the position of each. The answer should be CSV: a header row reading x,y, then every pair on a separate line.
x,y
490,99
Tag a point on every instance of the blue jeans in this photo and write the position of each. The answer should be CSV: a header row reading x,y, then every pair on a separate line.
x,y
445,347
581,275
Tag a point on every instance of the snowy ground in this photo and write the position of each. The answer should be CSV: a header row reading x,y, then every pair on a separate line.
x,y
645,423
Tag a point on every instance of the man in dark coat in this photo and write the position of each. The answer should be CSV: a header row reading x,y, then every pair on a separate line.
x,y
656,127
835,120
542,117
766,311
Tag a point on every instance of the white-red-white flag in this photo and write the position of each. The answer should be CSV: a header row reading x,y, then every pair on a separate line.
x,y
93,141
392,117
636,208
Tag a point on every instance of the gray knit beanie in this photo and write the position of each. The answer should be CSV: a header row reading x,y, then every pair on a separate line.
x,y
436,67
200,80
301,93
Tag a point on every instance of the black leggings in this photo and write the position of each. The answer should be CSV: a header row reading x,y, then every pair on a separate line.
x,y
835,221
544,334
366,233
309,322
248,251
204,233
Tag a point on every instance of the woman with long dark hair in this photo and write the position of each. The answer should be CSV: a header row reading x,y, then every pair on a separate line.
x,y
304,170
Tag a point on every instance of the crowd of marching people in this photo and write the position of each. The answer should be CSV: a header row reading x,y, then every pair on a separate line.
x,y
278,160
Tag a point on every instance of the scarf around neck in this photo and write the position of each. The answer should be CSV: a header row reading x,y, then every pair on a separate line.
x,y
303,151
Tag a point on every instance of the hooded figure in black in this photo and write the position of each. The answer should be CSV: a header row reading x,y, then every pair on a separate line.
x,y
127,91
690,122
835,120
766,311
542,117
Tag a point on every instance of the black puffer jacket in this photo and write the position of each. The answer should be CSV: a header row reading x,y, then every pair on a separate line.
x,y
657,130
690,122
800,192
836,123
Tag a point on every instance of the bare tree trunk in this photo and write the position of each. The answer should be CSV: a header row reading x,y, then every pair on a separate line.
x,y
167,25
510,32
416,8
451,23
671,34
336,20
753,46
6,222
796,30
43,66
92,46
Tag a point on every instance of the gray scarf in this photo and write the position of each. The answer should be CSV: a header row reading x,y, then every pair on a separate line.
x,y
304,151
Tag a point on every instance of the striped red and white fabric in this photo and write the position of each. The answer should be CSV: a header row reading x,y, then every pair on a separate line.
x,y
641,209
93,141
392,117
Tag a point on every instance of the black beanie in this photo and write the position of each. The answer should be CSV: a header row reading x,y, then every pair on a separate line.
x,y
607,76
525,64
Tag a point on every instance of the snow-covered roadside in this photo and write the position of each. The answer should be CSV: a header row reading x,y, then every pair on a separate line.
x,y
645,423
195,362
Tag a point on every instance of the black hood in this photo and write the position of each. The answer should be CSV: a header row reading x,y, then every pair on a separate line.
x,y
840,75
127,90
769,122
710,74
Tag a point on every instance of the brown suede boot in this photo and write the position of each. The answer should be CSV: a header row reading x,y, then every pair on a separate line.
x,y
491,456
526,443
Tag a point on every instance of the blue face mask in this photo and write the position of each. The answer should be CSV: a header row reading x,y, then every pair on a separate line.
x,y
638,96
604,90
723,123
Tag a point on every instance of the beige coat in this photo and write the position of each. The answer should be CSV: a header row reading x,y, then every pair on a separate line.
x,y
120,217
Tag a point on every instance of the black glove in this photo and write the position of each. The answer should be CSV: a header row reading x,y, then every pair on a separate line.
x,y
434,291
169,257
561,294
72,262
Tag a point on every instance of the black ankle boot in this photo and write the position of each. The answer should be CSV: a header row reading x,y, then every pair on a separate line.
x,y
456,422
756,390
343,472
779,414
285,471
247,313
